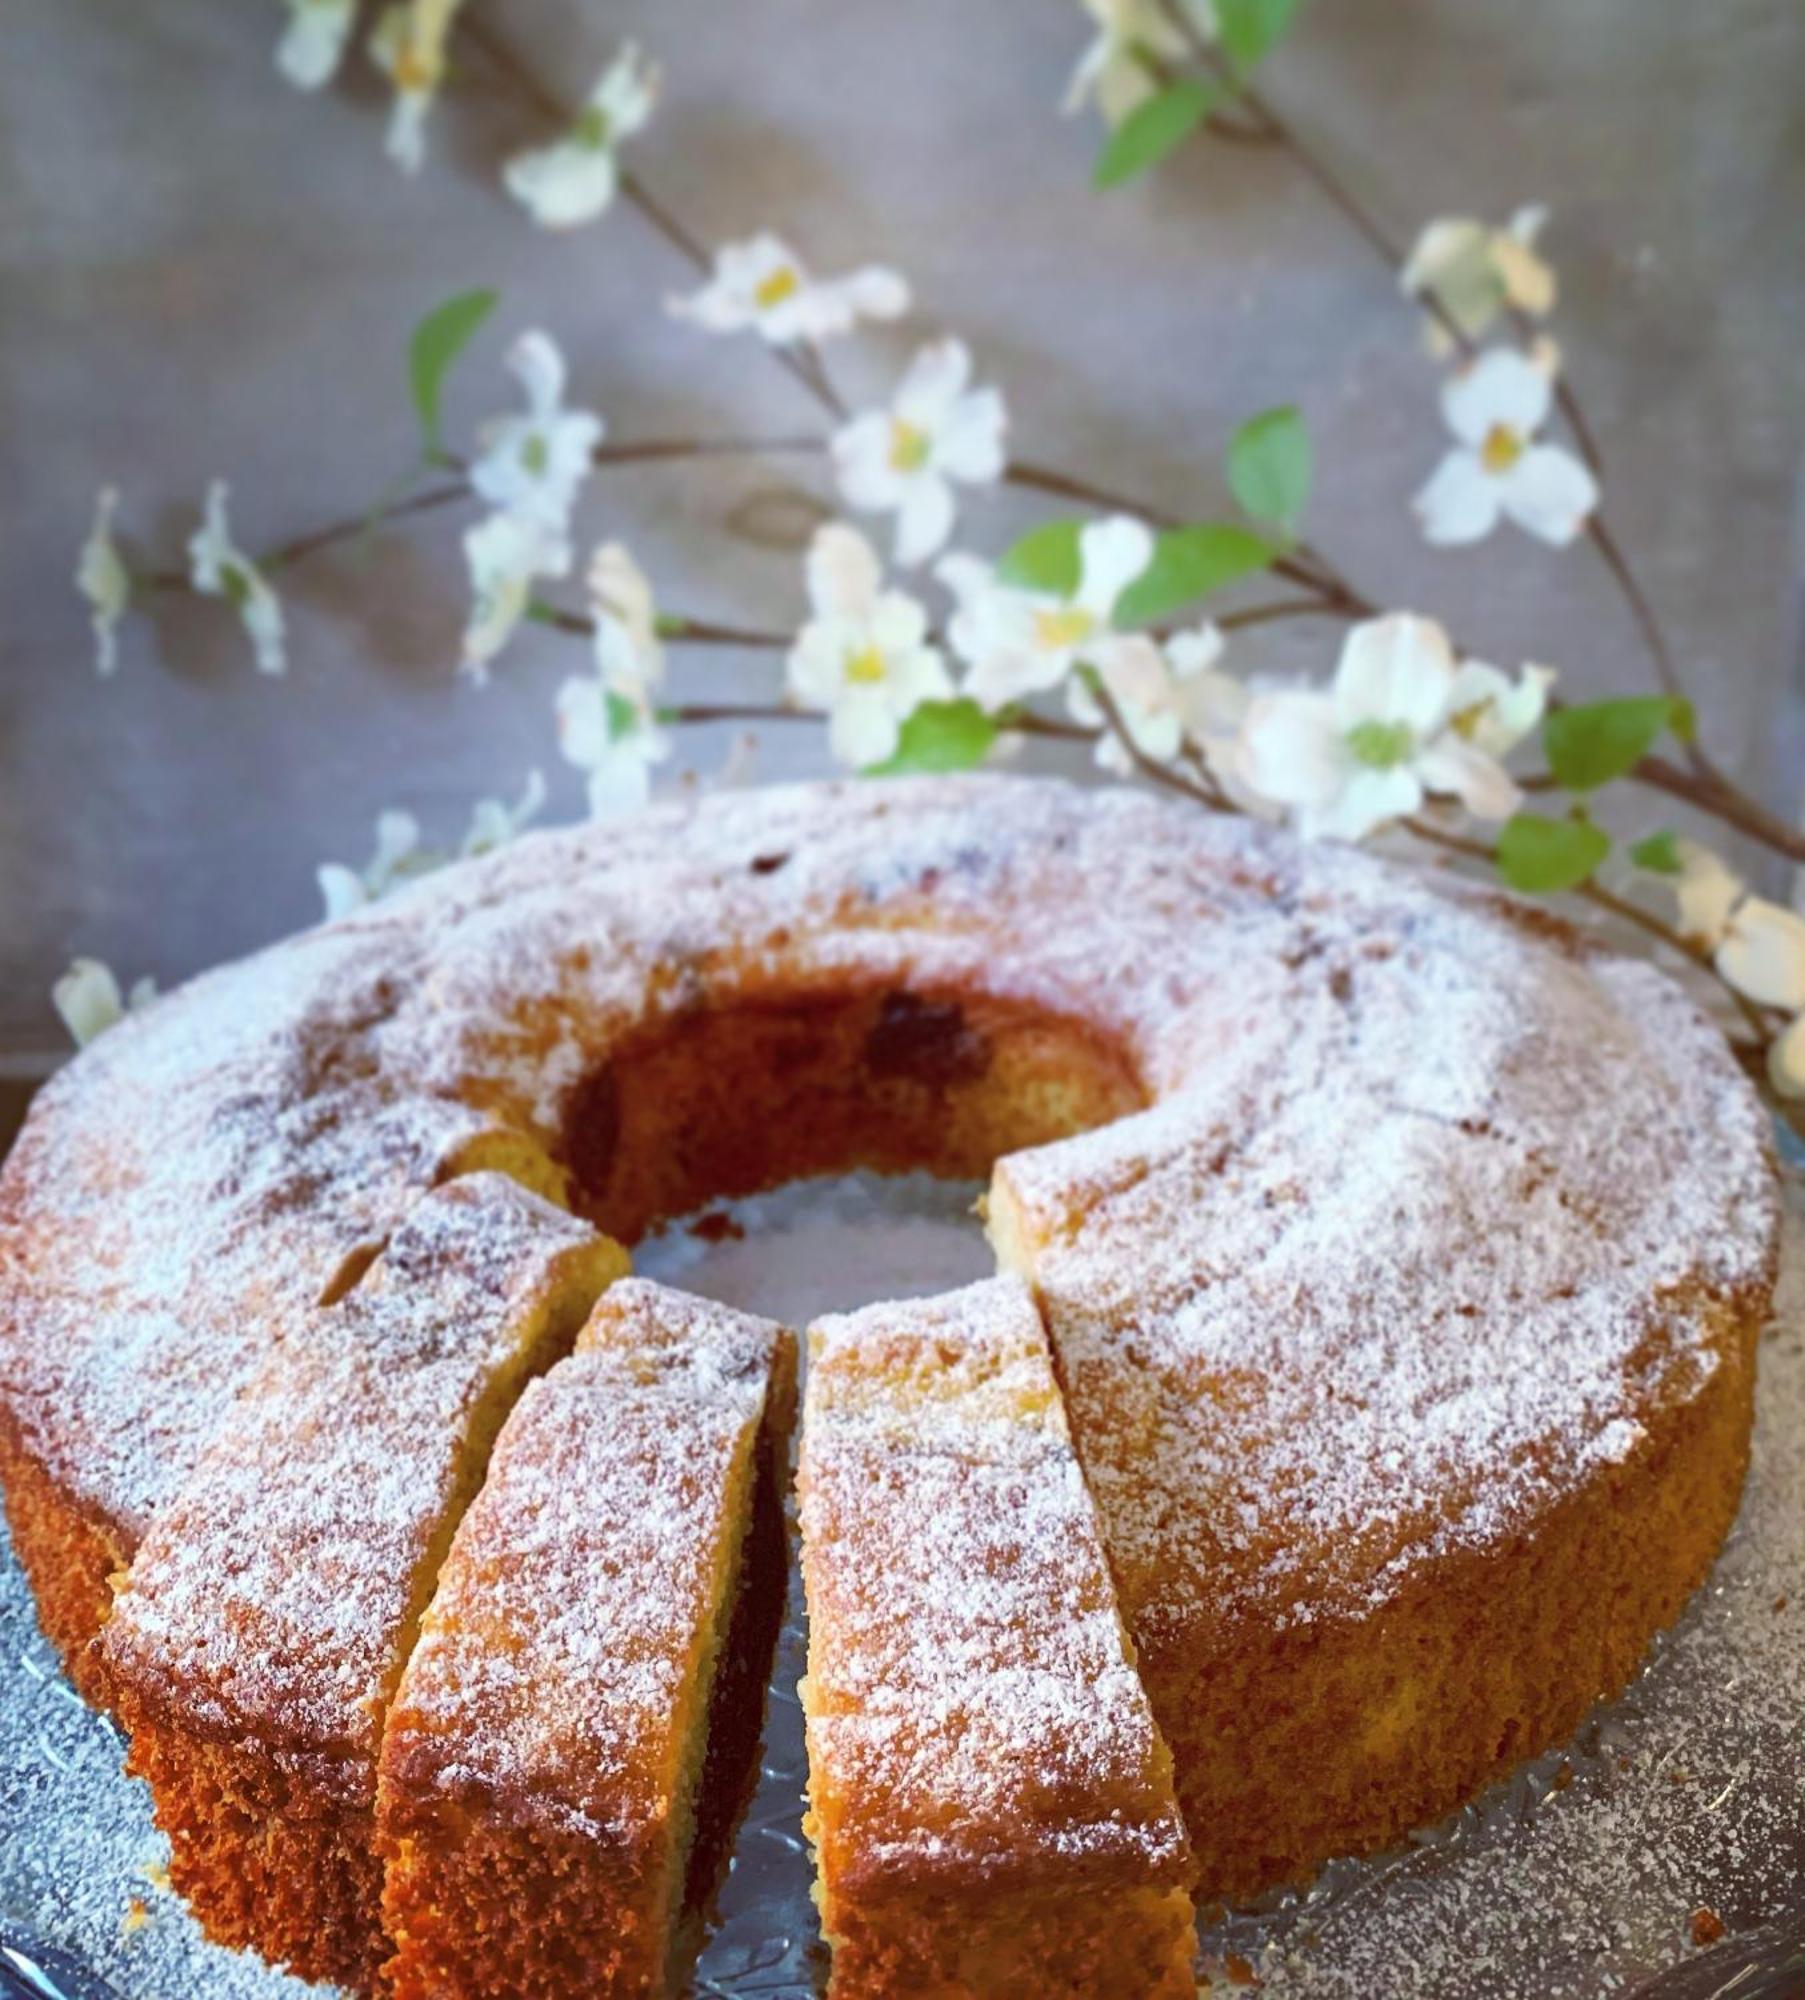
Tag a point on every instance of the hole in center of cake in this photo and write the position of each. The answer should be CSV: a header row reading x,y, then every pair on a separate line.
x,y
721,1101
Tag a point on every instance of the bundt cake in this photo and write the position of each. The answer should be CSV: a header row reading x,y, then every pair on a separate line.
x,y
1403,1255
990,1802
579,1720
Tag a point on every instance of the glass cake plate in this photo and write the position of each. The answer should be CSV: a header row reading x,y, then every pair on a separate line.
x,y
1585,1875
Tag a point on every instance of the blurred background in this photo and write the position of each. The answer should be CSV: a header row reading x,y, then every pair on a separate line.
x,y
205,272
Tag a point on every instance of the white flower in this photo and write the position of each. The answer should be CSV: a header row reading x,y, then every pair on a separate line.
x,y
864,656
397,853
535,464
1384,737
1474,272
762,283
1021,642
1707,890
409,46
493,822
1119,69
313,44
1762,954
217,568
573,180
506,553
612,738
628,651
87,997
1166,700
1494,713
607,723
1495,407
103,580
905,458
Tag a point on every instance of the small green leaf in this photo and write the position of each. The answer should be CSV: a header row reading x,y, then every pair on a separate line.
x,y
1046,558
1270,466
1189,563
1589,746
437,342
1151,130
1251,29
1542,856
1659,853
940,736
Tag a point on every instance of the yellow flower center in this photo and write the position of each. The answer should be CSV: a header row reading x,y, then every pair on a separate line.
x,y
1068,626
865,668
783,283
1501,449
909,446
1465,721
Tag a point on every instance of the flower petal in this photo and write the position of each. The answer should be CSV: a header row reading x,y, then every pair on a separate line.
x,y
1395,669
1502,387
1460,503
1549,494
925,519
1112,553
1763,954
844,574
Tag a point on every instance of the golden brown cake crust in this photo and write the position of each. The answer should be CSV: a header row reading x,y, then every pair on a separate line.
x,y
1451,1234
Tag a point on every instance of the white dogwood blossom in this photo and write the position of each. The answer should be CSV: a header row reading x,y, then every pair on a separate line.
x,y
534,464
1475,272
313,43
864,657
87,997
607,721
506,555
1497,469
102,578
1018,642
762,283
1168,699
573,180
493,822
1382,739
217,567
1120,67
408,45
905,459
395,855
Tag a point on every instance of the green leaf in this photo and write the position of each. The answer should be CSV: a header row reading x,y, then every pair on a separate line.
x,y
437,342
1589,746
1659,853
1250,30
940,736
1046,558
1542,856
1189,563
1270,466
1152,129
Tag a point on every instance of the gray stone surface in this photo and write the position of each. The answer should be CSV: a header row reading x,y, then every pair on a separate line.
x,y
203,272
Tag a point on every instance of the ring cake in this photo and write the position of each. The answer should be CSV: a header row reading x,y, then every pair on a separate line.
x,y
1402,1255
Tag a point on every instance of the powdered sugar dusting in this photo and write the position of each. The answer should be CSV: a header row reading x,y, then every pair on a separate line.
x,y
970,1700
272,1595
571,1614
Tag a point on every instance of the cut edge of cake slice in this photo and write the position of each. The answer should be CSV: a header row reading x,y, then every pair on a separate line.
x,y
576,1734
991,1803
257,1638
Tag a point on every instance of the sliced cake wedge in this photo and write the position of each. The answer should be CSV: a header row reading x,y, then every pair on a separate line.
x,y
990,1802
258,1636
575,1732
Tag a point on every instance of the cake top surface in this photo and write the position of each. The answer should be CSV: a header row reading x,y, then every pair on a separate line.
x,y
274,1591
1363,1077
564,1647
971,1705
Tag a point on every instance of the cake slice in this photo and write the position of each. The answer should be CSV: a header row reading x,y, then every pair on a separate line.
x,y
577,1729
258,1636
990,1801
